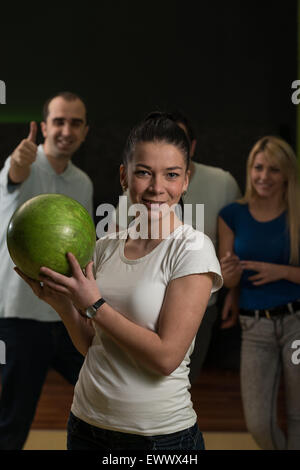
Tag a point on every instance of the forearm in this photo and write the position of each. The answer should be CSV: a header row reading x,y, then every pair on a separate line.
x,y
143,344
79,328
231,280
17,173
291,273
178,320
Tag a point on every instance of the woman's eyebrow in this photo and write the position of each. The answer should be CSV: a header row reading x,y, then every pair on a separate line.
x,y
169,168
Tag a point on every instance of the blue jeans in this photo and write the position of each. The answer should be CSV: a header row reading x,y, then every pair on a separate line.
x,y
83,436
266,354
32,347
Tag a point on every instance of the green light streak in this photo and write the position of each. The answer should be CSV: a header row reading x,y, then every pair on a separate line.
x,y
18,117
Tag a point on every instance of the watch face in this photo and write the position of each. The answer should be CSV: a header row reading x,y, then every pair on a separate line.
x,y
90,312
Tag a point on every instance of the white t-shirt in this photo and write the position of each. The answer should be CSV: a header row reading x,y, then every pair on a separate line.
x,y
115,390
211,186
16,297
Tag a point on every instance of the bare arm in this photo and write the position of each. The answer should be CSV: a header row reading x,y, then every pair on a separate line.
x,y
270,272
181,314
81,330
291,273
230,263
183,309
230,309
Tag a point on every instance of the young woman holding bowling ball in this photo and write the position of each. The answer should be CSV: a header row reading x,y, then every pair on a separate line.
x,y
143,299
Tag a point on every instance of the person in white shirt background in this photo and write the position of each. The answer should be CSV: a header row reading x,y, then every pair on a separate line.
x,y
33,333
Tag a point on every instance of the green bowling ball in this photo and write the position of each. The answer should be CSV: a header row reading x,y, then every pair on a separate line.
x,y
44,229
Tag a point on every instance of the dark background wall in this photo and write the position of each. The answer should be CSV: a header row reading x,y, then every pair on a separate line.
x,y
228,65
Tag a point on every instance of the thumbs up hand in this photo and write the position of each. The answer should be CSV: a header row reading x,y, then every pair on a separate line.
x,y
32,132
25,154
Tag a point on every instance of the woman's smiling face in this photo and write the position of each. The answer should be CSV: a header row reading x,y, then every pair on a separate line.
x,y
266,176
156,176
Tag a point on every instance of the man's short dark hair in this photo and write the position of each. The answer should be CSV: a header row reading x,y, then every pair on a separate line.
x,y
66,95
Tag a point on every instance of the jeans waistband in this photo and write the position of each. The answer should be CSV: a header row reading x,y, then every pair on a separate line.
x,y
286,309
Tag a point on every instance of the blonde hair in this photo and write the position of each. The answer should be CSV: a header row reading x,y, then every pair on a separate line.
x,y
281,153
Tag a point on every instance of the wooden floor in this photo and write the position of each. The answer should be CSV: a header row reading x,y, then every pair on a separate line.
x,y
216,397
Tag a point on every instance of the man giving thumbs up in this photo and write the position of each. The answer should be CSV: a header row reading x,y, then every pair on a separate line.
x,y
34,336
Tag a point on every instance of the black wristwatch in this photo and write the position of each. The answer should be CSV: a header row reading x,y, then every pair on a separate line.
x,y
92,310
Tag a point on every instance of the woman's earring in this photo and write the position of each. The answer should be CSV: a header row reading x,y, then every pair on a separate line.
x,y
124,188
183,194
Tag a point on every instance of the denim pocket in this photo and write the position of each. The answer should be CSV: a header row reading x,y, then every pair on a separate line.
x,y
197,438
247,323
188,439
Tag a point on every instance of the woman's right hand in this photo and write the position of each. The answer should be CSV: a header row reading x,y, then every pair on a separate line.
x,y
231,269
230,310
60,302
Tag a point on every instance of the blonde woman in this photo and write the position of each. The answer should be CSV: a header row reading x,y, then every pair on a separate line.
x,y
259,253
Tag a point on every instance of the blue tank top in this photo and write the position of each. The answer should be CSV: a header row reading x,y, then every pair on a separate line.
x,y
260,241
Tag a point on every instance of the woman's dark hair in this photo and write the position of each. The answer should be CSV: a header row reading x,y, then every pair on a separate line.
x,y
181,118
157,127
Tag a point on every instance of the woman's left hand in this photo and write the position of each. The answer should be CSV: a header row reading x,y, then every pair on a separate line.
x,y
81,289
266,272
